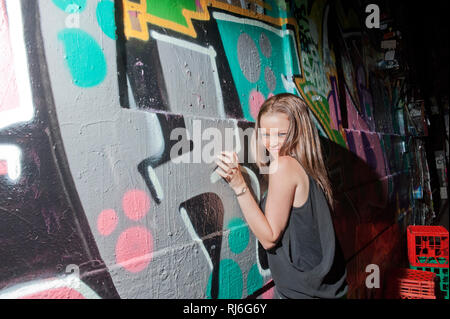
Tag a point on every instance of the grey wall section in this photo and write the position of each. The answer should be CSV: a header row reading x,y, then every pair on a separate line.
x,y
105,143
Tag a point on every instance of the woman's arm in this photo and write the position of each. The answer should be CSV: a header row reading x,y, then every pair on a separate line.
x,y
267,228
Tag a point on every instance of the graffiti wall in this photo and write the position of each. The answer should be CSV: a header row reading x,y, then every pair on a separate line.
x,y
95,95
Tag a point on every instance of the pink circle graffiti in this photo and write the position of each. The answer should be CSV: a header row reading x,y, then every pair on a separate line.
x,y
107,222
256,99
56,293
134,249
136,204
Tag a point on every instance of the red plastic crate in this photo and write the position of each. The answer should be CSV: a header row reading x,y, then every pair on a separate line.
x,y
416,293
427,246
408,276
407,283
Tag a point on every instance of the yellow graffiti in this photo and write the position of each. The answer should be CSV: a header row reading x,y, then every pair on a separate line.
x,y
136,17
262,4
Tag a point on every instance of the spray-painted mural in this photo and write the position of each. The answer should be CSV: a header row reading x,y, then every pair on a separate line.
x,y
94,204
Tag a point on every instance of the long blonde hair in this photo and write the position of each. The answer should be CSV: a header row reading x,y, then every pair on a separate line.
x,y
302,139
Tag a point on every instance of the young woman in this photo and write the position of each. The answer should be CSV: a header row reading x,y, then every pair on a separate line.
x,y
293,222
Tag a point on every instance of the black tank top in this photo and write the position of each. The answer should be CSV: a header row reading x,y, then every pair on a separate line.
x,y
307,262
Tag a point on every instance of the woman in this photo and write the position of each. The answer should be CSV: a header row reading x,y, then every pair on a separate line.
x,y
293,222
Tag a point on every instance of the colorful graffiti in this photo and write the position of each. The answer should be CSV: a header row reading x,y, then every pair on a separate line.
x,y
47,249
86,163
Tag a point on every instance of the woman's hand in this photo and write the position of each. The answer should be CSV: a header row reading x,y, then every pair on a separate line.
x,y
228,168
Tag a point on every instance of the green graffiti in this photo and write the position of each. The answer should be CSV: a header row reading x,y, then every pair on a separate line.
x,y
254,280
239,235
70,6
230,281
84,57
259,59
315,73
105,18
171,10
324,117
316,86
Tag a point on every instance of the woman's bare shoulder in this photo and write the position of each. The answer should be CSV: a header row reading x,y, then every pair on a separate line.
x,y
286,167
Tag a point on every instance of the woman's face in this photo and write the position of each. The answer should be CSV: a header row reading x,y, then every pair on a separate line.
x,y
274,128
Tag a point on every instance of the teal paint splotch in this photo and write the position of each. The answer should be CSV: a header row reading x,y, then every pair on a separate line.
x,y
283,61
230,281
84,57
239,235
105,18
70,6
254,280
